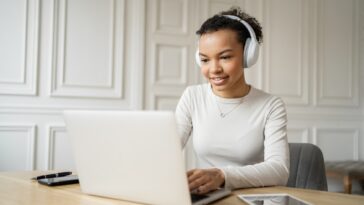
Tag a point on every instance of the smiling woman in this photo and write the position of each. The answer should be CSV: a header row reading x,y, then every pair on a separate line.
x,y
238,131
222,62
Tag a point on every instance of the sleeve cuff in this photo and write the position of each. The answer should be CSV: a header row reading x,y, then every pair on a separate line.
x,y
225,184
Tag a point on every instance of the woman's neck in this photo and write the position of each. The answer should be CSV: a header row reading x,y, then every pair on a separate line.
x,y
240,91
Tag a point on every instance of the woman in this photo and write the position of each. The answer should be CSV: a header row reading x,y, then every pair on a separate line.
x,y
238,132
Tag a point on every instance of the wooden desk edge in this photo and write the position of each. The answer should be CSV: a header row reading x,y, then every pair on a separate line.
x,y
74,192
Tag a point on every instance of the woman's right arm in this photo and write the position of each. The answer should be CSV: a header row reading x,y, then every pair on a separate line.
x,y
183,117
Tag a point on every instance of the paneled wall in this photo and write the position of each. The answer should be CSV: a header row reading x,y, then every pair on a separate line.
x,y
137,54
169,44
63,54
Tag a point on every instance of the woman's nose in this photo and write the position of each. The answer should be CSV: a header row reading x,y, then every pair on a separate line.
x,y
215,67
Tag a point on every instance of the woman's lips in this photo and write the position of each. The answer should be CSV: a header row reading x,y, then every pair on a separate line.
x,y
218,80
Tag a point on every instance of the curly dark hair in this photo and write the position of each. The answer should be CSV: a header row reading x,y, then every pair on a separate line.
x,y
218,22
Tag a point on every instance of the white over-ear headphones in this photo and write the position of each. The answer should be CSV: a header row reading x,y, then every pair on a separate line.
x,y
251,47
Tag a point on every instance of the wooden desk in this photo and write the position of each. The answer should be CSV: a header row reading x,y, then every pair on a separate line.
x,y
17,188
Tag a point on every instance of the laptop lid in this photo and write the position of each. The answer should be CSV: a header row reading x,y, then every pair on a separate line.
x,y
131,155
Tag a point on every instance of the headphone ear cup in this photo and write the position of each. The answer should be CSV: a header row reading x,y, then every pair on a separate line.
x,y
246,53
251,52
197,57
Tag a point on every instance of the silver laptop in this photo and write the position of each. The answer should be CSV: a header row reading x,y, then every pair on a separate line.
x,y
131,155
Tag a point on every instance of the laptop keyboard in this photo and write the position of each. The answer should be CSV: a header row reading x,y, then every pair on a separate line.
x,y
197,197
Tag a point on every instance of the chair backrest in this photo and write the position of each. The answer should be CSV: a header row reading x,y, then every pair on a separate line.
x,y
307,167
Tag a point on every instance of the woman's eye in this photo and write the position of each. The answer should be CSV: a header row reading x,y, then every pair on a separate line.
x,y
204,60
225,57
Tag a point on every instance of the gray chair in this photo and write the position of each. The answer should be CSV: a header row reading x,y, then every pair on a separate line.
x,y
307,167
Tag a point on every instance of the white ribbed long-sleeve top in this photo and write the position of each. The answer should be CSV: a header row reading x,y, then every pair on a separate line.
x,y
249,144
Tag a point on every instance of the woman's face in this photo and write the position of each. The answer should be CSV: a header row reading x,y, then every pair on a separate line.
x,y
222,62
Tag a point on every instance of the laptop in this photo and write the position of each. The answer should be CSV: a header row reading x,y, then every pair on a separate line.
x,y
131,155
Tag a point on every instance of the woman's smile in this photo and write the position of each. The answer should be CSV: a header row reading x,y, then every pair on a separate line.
x,y
218,81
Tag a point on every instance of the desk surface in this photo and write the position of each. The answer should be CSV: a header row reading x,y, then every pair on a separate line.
x,y
17,188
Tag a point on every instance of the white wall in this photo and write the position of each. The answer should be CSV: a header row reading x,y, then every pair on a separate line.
x,y
137,54
56,55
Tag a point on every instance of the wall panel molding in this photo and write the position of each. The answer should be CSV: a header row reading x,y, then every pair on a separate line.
x,y
70,76
50,143
171,17
19,77
290,66
170,66
298,135
59,152
326,117
170,47
166,102
216,6
136,45
30,130
54,110
338,143
337,64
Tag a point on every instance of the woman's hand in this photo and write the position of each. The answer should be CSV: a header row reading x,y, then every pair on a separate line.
x,y
202,181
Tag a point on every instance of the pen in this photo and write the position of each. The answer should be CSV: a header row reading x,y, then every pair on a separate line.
x,y
47,176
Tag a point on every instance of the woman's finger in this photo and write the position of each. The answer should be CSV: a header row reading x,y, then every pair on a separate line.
x,y
205,188
194,184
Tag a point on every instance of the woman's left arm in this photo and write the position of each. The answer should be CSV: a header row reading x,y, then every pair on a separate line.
x,y
274,170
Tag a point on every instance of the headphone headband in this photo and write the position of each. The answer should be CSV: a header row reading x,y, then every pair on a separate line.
x,y
247,26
